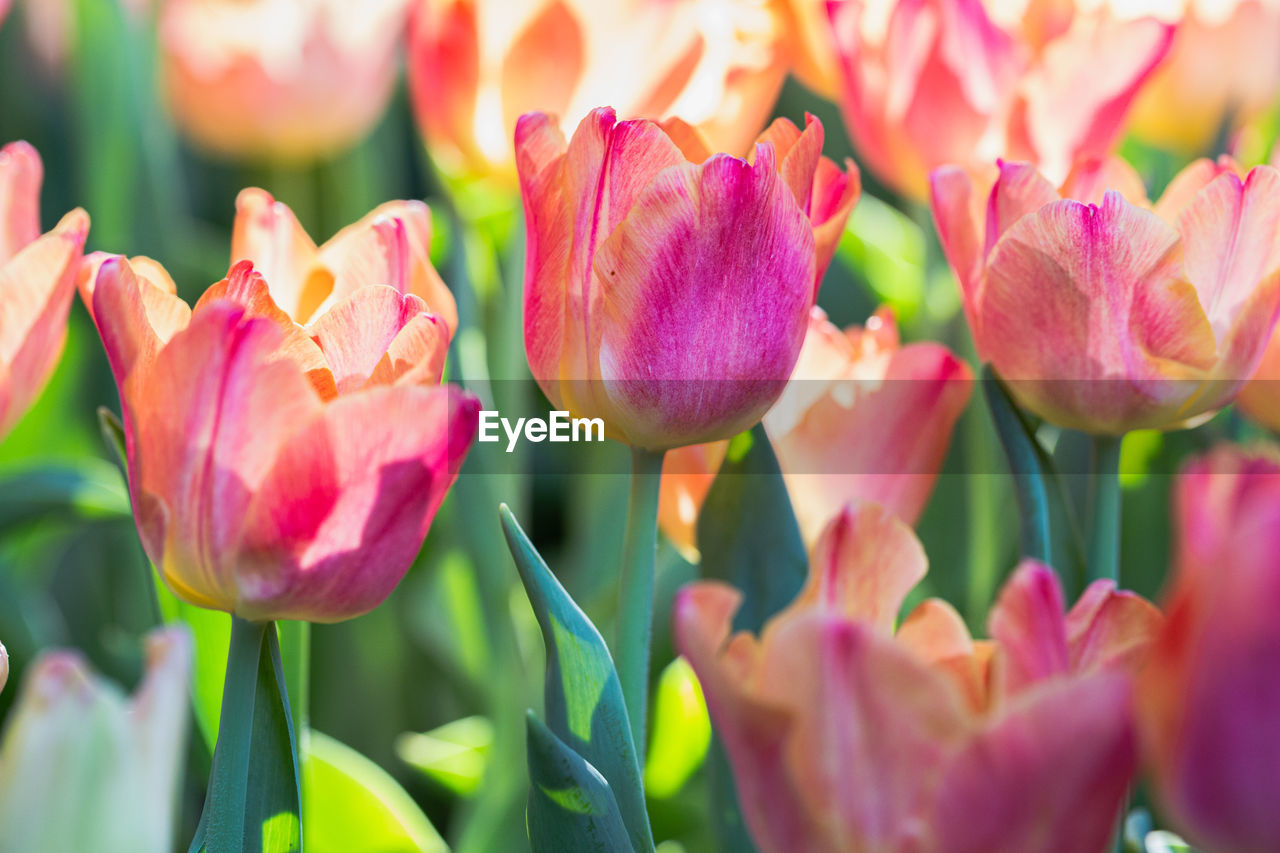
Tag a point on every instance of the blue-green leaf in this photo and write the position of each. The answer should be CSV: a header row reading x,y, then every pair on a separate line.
x,y
571,806
748,535
584,704
89,490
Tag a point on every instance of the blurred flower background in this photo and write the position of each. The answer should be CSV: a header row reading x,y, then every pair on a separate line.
x,y
154,116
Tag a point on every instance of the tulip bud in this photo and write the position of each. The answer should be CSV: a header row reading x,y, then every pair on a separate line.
x,y
37,280
84,767
1103,312
281,470
1210,696
279,80
925,84
667,297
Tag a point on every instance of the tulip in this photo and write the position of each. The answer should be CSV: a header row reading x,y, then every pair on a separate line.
x,y
1221,74
933,82
4,666
844,735
812,46
862,419
1103,312
666,297
279,80
37,279
391,246
1210,696
279,471
476,65
84,767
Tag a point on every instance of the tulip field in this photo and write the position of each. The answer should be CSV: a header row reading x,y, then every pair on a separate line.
x,y
639,426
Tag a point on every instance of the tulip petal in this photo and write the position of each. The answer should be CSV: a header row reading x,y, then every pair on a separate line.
x,y
416,355
692,144
1082,303
797,154
711,260
391,245
266,232
345,507
1090,178
1188,183
835,193
1028,623
1019,191
356,333
1110,628
208,418
36,287
21,174
1231,242
865,563
571,211
1048,776
959,207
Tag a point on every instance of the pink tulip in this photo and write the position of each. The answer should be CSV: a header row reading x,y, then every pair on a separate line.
x,y
862,419
1104,312
4,666
667,297
279,80
845,736
37,279
1210,696
475,66
279,471
932,82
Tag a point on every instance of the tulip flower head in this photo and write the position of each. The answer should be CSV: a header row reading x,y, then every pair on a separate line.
x,y
279,80
862,419
84,767
1210,696
1104,312
669,296
4,666
37,280
933,82
476,65
281,470
845,735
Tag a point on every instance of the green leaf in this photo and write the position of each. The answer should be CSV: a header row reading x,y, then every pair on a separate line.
x,y
748,535
1027,463
354,806
681,731
583,698
254,798
455,754
571,806
88,490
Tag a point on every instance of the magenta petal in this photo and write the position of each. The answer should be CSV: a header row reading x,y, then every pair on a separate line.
x,y
706,287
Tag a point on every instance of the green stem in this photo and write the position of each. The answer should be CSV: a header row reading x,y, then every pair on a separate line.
x,y
1104,509
635,609
254,798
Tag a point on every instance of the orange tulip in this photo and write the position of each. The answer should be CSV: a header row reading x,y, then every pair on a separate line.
x,y
1210,697
845,736
933,82
475,66
862,419
37,279
281,470
1104,312
1222,73
279,80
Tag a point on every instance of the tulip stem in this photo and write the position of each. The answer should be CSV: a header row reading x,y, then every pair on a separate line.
x,y
254,798
1025,457
1104,509
635,608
